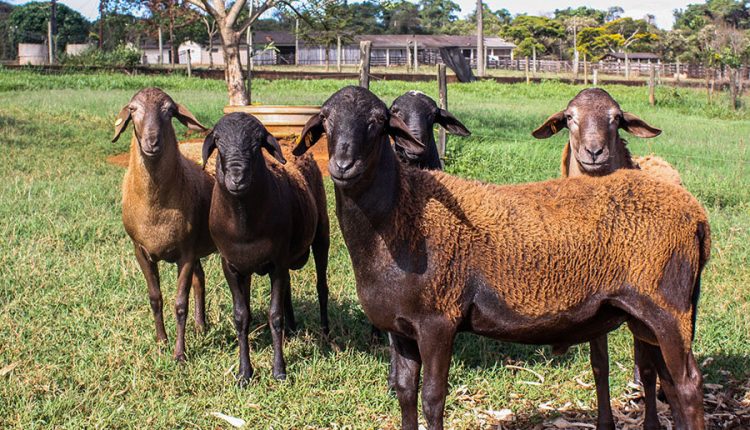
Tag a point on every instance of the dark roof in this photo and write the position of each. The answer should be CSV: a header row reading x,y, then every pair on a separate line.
x,y
633,56
431,41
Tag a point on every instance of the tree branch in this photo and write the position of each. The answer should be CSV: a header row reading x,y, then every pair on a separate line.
x,y
234,12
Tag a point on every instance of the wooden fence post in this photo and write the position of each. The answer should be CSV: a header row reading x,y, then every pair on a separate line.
x,y
652,86
596,77
189,66
443,103
364,63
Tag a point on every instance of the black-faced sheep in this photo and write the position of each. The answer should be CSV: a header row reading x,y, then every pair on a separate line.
x,y
265,215
165,205
435,254
420,113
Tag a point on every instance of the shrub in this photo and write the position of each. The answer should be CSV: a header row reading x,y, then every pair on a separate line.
x,y
121,56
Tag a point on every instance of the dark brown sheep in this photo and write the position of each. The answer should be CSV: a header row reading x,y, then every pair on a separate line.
x,y
165,205
265,215
595,148
420,113
530,263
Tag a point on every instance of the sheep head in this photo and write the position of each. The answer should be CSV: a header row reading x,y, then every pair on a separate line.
x,y
420,113
239,138
594,119
357,124
151,110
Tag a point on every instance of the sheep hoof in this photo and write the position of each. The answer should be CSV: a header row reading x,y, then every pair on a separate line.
x,y
244,380
279,376
180,358
607,425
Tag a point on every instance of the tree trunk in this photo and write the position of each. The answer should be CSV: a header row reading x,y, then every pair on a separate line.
x,y
527,71
585,70
733,87
533,53
627,66
230,42
328,57
210,51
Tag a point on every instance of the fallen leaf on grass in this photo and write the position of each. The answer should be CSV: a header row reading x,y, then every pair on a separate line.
x,y
233,421
9,368
501,415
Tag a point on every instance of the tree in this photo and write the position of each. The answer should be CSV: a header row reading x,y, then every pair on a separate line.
x,y
533,34
7,49
613,13
435,14
623,34
231,30
326,22
28,24
401,17
596,15
366,17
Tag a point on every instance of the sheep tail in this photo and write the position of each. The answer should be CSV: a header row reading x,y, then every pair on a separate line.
x,y
704,243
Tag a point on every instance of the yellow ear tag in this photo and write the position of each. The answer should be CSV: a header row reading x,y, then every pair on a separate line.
x,y
118,122
554,129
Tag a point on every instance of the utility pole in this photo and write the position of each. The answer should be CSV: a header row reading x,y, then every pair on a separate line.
x,y
480,39
101,25
249,41
52,36
296,42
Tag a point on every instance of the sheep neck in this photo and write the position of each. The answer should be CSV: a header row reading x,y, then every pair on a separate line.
x,y
372,202
156,177
248,207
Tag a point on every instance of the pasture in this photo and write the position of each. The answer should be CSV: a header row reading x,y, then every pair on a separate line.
x,y
77,344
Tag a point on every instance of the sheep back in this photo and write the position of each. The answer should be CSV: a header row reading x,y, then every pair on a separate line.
x,y
658,167
543,247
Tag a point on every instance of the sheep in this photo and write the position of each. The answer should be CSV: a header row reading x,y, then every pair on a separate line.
x,y
265,215
165,206
536,263
420,113
594,118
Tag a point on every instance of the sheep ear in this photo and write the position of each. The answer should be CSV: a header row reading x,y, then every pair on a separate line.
x,y
451,123
273,148
550,127
121,123
310,134
403,137
637,127
188,119
209,144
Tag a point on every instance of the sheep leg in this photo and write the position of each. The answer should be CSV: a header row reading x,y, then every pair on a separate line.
x,y
436,348
199,296
599,356
279,287
184,280
666,384
150,271
407,363
644,361
320,246
290,321
687,378
239,285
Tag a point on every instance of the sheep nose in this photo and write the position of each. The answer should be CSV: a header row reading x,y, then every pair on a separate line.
x,y
344,165
595,153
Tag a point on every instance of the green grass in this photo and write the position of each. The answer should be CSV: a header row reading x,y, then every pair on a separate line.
x,y
74,313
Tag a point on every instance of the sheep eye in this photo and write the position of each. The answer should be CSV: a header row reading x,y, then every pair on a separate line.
x,y
569,117
131,108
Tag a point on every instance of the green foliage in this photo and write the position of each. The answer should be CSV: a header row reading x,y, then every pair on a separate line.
x,y
581,12
28,24
436,14
401,17
533,32
121,56
7,48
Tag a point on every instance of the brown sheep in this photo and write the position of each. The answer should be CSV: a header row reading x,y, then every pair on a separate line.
x,y
595,148
594,118
266,214
536,263
165,205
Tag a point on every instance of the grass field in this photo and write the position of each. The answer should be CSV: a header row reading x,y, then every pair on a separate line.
x,y
77,342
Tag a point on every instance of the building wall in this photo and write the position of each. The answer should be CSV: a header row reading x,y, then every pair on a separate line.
x,y
32,53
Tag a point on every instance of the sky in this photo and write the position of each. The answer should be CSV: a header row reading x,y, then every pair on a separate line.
x,y
662,9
